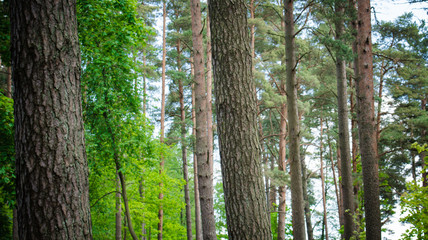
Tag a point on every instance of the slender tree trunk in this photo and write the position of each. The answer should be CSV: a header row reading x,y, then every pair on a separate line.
x,y
121,175
336,188
162,129
210,137
282,164
205,171
198,222
9,83
366,122
118,210
422,155
144,84
324,201
184,147
236,105
52,174
342,102
293,126
309,228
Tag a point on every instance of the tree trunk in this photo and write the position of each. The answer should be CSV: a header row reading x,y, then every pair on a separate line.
x,y
121,175
366,122
184,147
9,83
282,165
309,228
324,201
162,129
15,228
198,223
336,188
205,171
118,210
423,154
342,102
236,104
52,174
293,126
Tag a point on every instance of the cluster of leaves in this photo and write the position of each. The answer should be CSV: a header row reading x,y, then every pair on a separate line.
x,y
414,204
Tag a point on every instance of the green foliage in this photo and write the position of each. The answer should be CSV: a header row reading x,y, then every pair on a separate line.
x,y
7,152
220,211
414,204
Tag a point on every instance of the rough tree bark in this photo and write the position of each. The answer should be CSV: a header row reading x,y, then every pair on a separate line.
x,y
236,104
205,171
52,174
342,102
366,122
293,126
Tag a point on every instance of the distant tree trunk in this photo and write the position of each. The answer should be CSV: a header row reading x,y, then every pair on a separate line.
x,y
282,153
198,223
293,126
162,128
9,83
342,102
184,146
52,174
336,188
324,201
205,171
120,173
210,137
422,155
282,164
309,228
236,106
144,84
118,210
366,122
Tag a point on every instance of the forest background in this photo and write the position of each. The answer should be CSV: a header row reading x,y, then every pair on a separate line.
x,y
121,44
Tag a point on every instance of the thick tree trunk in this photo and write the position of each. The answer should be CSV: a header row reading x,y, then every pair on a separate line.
x,y
366,122
236,105
293,126
205,171
342,102
162,129
118,210
52,174
15,228
210,137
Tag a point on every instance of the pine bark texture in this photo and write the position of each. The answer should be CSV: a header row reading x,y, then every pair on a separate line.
x,y
205,171
293,126
366,123
52,175
236,104
345,152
